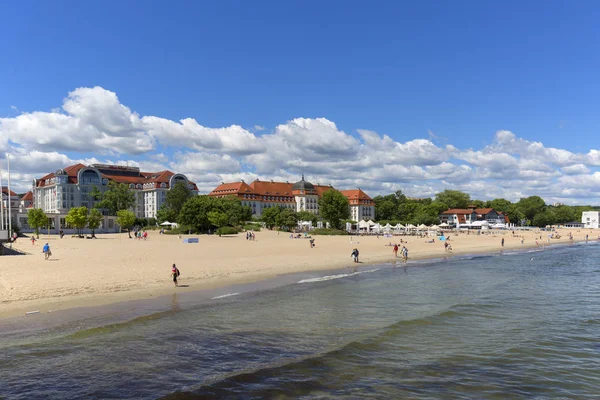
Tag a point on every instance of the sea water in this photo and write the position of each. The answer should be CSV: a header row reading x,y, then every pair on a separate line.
x,y
502,326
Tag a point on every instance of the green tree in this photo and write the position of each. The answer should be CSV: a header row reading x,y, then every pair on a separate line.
x,y
117,197
530,206
565,214
334,207
176,198
194,213
95,195
453,198
78,219
218,219
478,203
269,216
306,216
544,218
287,218
94,219
515,215
386,207
36,219
500,205
126,219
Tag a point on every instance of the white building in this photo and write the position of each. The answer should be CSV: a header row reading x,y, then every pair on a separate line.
x,y
58,192
300,196
590,219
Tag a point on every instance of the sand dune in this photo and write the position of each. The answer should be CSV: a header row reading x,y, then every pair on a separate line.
x,y
114,268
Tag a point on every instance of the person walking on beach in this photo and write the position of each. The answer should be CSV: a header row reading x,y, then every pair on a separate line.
x,y
175,273
32,240
404,253
354,255
396,250
502,242
46,251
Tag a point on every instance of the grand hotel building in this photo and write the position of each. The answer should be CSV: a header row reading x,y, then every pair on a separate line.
x,y
59,191
300,196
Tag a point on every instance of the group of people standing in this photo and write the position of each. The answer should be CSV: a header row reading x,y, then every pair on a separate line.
x,y
141,235
403,252
250,235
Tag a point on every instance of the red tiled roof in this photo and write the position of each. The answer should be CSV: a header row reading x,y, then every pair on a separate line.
x,y
279,189
357,196
28,196
231,188
272,188
457,211
5,191
116,175
483,211
320,189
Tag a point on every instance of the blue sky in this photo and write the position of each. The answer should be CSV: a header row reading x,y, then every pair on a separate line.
x,y
451,73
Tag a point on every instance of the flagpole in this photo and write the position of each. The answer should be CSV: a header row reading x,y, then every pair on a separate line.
x,y
9,202
1,201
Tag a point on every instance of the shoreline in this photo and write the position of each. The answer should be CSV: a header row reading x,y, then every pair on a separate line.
x,y
97,298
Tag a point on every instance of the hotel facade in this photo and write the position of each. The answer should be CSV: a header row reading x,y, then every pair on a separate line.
x,y
59,191
300,196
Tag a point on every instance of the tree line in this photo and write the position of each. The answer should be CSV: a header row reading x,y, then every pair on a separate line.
x,y
528,211
204,213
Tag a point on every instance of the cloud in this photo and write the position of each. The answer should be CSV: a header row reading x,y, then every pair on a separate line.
x,y
91,125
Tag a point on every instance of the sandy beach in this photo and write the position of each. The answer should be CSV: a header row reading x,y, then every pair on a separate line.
x,y
114,268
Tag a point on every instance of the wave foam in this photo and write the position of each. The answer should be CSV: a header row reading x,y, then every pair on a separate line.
x,y
331,277
224,295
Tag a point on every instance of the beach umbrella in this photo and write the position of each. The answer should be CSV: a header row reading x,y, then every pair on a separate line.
x,y
444,225
399,226
370,222
434,227
387,226
166,223
422,226
410,226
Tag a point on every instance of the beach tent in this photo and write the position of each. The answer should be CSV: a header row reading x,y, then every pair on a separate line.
x,y
363,225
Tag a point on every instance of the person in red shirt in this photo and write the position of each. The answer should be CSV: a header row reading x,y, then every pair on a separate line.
x,y
175,274
395,250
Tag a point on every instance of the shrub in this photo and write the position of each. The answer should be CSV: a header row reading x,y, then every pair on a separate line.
x,y
328,232
180,230
227,230
252,227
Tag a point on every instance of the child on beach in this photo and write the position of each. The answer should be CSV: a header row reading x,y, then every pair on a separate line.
x,y
175,273
395,250
32,240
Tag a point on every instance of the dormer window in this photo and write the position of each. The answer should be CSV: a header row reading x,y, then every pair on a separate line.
x,y
131,186
163,185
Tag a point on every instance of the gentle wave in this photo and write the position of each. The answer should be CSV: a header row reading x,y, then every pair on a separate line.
x,y
331,277
224,295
